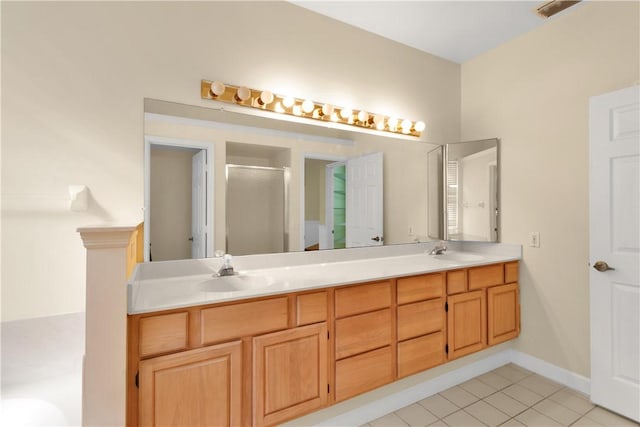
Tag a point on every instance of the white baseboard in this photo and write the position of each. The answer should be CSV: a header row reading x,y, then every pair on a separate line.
x,y
376,408
553,372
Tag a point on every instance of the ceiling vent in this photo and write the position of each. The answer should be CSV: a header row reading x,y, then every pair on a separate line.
x,y
549,9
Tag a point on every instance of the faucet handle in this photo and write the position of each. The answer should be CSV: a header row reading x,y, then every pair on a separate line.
x,y
227,258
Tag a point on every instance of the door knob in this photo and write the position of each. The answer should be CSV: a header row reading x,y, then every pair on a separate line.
x,y
376,239
602,266
191,239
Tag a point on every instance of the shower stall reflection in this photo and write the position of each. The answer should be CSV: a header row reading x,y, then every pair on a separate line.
x,y
256,213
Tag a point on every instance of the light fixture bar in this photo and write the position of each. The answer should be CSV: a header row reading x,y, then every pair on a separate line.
x,y
266,100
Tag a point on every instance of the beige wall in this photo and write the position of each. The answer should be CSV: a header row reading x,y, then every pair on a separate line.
x,y
533,93
74,76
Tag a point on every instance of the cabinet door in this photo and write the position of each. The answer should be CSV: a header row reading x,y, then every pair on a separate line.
x,y
466,323
503,322
195,387
289,374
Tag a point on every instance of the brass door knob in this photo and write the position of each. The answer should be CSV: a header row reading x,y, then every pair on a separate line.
x,y
602,266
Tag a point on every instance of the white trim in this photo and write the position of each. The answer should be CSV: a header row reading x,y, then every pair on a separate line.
x,y
551,371
212,124
303,157
186,143
373,409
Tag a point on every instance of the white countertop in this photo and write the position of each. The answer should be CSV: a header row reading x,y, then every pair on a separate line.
x,y
176,284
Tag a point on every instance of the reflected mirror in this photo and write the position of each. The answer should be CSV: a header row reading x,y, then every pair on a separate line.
x,y
470,191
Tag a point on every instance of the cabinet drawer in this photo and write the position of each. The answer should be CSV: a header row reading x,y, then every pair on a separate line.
x,y
418,288
311,308
511,272
485,276
245,319
421,353
363,332
420,318
163,334
456,282
362,298
364,372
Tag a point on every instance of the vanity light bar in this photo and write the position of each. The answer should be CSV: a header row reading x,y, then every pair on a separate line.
x,y
267,100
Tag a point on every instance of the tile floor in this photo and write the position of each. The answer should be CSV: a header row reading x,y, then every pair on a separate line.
x,y
508,396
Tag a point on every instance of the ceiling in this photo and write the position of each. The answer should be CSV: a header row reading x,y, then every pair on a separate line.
x,y
454,30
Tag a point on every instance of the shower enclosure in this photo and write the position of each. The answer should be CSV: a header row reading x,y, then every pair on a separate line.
x,y
256,209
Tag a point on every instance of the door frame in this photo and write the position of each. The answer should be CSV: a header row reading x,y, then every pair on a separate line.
x,y
149,141
313,156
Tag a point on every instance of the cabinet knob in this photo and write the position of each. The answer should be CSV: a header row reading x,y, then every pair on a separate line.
x,y
602,266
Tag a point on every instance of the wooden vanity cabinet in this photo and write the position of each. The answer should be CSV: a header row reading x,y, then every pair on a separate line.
x,y
267,360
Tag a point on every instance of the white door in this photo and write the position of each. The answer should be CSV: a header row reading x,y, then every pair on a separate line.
x,y
199,205
614,209
364,206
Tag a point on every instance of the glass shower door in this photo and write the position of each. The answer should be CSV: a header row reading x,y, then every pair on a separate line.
x,y
255,211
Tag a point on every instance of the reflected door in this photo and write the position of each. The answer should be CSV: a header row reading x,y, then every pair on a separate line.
x,y
364,201
255,211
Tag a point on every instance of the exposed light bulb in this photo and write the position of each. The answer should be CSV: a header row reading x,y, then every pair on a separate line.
x,y
377,119
278,108
334,117
297,110
327,109
406,126
380,125
392,123
242,94
307,106
363,116
419,126
316,113
288,101
266,97
346,112
217,88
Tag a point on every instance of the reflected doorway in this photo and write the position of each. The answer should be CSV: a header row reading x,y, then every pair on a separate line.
x,y
178,199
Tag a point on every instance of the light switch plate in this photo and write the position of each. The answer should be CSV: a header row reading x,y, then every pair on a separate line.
x,y
534,239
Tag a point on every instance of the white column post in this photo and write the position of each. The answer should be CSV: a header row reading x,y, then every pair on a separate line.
x,y
105,358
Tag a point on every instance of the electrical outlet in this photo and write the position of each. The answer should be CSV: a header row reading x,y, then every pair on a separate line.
x,y
534,239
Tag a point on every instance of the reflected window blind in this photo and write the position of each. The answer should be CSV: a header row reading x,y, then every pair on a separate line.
x,y
452,196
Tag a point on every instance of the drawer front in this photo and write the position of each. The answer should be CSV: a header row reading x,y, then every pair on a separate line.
x,y
163,334
485,276
311,308
245,319
511,272
362,298
420,318
421,353
456,282
364,372
418,288
361,333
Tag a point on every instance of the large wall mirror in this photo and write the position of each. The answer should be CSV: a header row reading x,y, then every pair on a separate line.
x,y
464,188
218,180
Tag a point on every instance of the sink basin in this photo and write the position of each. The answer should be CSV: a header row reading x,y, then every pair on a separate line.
x,y
238,282
458,257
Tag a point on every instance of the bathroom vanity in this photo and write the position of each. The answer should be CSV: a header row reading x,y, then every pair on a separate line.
x,y
283,341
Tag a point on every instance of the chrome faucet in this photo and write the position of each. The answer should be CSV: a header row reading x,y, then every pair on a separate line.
x,y
227,268
439,248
